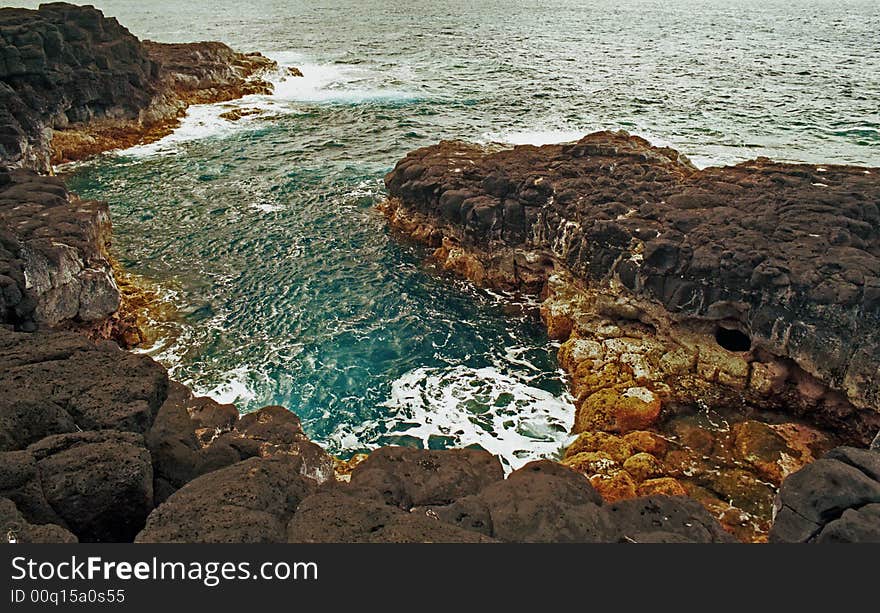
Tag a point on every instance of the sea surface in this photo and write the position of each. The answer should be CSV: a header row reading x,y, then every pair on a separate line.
x,y
263,234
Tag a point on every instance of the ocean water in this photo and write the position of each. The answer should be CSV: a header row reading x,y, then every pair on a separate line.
x,y
263,232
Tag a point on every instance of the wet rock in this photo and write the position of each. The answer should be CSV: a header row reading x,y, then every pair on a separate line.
x,y
647,442
618,485
743,490
99,482
249,502
693,437
759,445
643,466
620,411
236,114
432,477
661,486
591,463
618,449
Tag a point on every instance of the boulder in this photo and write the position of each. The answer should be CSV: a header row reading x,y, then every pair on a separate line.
x,y
249,502
63,382
545,502
641,520
99,482
20,482
338,515
430,477
854,526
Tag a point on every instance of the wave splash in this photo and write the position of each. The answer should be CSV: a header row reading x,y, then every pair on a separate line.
x,y
320,84
457,406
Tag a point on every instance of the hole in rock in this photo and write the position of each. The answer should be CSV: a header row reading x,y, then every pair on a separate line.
x,y
733,340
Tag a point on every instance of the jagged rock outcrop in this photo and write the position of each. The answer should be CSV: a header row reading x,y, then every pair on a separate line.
x,y
758,281
659,283
74,83
65,64
54,262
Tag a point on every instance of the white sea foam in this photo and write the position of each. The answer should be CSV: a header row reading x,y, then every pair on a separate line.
x,y
266,207
535,137
320,84
499,412
333,83
237,388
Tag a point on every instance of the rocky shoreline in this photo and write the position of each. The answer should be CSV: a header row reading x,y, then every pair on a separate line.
x,y
74,83
719,326
98,445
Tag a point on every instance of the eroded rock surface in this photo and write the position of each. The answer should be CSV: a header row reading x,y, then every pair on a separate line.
x,y
74,83
760,279
705,315
249,502
54,267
